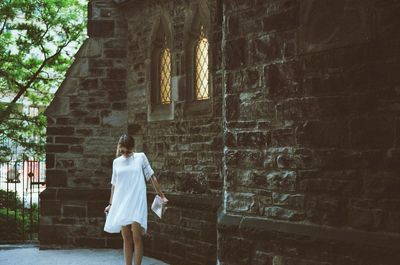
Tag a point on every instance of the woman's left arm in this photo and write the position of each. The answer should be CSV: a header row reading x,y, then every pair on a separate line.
x,y
158,187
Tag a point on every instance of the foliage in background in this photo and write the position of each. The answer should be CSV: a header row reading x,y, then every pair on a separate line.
x,y
38,39
16,225
10,200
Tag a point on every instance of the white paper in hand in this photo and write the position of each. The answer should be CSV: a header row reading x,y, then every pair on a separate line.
x,y
157,206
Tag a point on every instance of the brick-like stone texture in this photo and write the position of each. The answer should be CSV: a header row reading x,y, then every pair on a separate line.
x,y
83,129
104,95
301,132
310,126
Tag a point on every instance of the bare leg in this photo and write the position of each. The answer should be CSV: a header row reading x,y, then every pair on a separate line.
x,y
137,232
128,244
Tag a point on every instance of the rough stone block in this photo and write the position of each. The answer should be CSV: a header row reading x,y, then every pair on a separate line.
x,y
282,137
266,48
91,48
281,180
84,194
231,157
77,211
63,121
283,213
393,222
326,209
262,258
90,242
89,84
298,109
236,53
250,159
100,28
84,131
372,132
115,53
293,201
68,140
381,185
50,207
252,139
56,178
76,149
50,160
323,134
284,80
287,19
241,202
53,235
92,120
235,250
344,23
115,73
60,130
57,148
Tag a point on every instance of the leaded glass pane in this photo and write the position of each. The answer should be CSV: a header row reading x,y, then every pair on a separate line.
x,y
165,76
201,68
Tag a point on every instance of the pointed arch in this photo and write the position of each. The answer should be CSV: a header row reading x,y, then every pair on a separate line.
x,y
197,53
161,61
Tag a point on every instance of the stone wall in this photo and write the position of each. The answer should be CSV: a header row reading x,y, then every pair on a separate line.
x,y
108,87
185,146
311,133
88,113
291,161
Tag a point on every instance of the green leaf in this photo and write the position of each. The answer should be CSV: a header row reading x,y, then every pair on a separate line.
x,y
31,32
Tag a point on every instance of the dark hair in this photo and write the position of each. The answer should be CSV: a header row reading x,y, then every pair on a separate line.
x,y
126,141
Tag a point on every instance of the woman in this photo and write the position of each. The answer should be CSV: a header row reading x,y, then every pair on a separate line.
x,y
127,209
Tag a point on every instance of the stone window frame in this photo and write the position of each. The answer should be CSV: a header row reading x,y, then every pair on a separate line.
x,y
161,31
199,16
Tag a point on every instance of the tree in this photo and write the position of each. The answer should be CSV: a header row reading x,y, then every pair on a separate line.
x,y
37,41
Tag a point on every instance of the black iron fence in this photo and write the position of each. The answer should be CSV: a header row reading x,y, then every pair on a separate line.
x,y
20,185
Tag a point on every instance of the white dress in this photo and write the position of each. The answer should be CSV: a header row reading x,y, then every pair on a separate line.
x,y
129,201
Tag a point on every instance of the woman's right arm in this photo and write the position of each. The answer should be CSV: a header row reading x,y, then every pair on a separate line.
x,y
112,193
113,181
110,201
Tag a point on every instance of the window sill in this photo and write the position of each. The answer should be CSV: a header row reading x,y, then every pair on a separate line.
x,y
198,107
161,112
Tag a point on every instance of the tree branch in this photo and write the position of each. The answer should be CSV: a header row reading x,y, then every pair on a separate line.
x,y
8,78
41,41
23,88
3,26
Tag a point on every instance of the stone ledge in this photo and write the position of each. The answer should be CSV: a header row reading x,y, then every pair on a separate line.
x,y
198,108
325,233
119,2
209,202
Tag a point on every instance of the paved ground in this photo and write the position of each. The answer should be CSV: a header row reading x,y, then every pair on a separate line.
x,y
28,254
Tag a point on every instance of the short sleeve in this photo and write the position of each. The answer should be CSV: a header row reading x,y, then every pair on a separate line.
x,y
114,174
147,170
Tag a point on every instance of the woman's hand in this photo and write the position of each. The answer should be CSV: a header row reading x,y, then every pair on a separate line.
x,y
107,209
165,200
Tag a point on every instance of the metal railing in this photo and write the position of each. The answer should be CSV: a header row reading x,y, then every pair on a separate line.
x,y
20,185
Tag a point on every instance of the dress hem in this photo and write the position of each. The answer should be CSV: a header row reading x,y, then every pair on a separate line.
x,y
111,231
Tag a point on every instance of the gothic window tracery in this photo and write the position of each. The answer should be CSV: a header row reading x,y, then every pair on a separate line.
x,y
201,67
161,88
165,74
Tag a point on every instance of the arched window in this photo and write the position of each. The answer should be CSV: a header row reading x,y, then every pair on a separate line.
x,y
201,81
162,94
161,66
198,60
